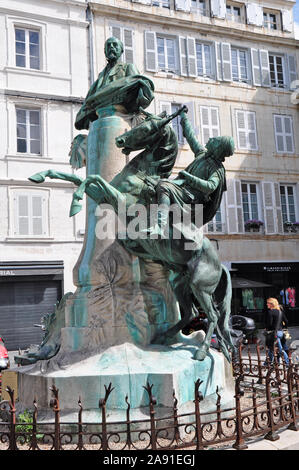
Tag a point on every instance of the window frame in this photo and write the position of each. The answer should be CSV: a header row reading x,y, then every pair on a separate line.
x,y
204,44
284,134
276,84
198,9
267,23
212,224
238,50
28,125
249,202
27,30
166,69
286,186
15,194
231,16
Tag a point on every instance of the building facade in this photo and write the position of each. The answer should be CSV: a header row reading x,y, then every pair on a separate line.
x,y
233,63
44,75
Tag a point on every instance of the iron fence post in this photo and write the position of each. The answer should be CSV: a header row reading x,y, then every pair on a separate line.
x,y
102,405
239,392
80,427
198,397
272,434
152,403
33,444
56,408
129,440
12,425
175,418
291,377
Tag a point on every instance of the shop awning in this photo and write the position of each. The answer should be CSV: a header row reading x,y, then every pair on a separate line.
x,y
241,283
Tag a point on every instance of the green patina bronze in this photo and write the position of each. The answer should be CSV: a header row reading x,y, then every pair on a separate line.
x,y
197,277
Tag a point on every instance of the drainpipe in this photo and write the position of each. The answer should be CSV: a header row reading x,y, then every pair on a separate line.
x,y
90,19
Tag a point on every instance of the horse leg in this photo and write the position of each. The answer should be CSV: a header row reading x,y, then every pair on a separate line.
x,y
206,302
40,177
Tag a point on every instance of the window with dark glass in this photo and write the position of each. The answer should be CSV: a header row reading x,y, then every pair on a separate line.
x,y
249,202
27,43
287,198
276,63
28,131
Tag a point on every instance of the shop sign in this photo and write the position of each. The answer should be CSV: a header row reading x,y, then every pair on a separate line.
x,y
277,269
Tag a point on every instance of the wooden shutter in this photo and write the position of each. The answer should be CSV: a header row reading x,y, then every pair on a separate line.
x,y
218,8
292,69
37,215
116,32
287,21
278,127
251,131
128,46
22,226
259,15
256,68
288,134
265,68
226,61
218,61
241,129
234,210
191,52
150,51
183,56
165,106
209,123
284,137
183,5
251,13
279,222
269,207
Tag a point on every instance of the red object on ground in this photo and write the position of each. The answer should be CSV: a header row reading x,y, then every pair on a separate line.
x,y
3,350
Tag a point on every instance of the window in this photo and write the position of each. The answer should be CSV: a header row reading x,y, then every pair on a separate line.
x,y
249,202
283,126
277,70
246,130
167,54
239,65
270,21
203,60
171,108
126,36
287,198
216,225
28,130
27,43
30,209
233,13
199,6
209,118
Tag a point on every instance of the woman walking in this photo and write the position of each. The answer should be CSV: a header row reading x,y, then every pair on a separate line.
x,y
274,332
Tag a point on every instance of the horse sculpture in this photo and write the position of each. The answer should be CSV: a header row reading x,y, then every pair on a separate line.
x,y
196,275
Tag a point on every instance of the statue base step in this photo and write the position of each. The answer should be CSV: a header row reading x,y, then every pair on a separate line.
x,y
128,368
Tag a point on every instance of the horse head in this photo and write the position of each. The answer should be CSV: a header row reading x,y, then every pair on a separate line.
x,y
144,135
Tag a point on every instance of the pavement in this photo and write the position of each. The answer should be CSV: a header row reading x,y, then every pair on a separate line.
x,y
288,440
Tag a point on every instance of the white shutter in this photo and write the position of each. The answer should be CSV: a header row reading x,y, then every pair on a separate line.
x,y
284,137
241,129
287,21
191,53
279,133
259,15
265,68
256,69
251,13
251,131
279,222
292,69
128,46
150,51
116,32
209,118
234,210
269,209
37,215
183,56
183,5
218,61
218,8
22,226
226,61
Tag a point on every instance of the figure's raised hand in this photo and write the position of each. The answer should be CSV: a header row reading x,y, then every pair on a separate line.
x,y
185,174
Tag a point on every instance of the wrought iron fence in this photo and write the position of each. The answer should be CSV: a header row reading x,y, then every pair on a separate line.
x,y
266,399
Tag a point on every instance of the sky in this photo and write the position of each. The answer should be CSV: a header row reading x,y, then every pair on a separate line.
x,y
296,17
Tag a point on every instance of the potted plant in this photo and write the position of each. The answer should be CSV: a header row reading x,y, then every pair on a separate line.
x,y
291,227
253,225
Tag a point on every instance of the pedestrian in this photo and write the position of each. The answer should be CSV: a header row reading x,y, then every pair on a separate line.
x,y
274,332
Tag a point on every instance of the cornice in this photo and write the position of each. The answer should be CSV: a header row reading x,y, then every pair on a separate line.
x,y
151,17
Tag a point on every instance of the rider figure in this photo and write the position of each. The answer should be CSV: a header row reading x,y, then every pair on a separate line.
x,y
202,182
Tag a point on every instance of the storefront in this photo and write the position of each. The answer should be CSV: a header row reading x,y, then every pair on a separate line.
x,y
263,280
28,290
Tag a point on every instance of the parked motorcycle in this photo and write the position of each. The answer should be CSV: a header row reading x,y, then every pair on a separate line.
x,y
4,358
